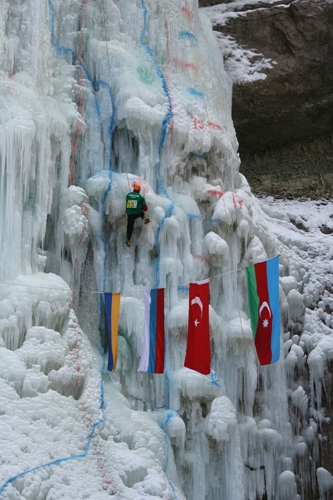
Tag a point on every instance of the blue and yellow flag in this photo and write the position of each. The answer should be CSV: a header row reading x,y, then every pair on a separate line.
x,y
112,307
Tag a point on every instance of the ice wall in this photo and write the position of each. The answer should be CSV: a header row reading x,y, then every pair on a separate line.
x,y
95,95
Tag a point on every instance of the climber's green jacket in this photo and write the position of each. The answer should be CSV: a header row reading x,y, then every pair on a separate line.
x,y
135,203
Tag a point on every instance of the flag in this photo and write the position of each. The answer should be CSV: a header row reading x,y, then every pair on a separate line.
x,y
153,342
112,306
264,307
198,340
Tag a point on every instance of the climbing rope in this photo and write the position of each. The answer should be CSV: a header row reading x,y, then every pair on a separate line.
x,y
134,291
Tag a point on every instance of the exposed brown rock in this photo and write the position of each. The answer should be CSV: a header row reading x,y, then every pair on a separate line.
x,y
282,121
297,170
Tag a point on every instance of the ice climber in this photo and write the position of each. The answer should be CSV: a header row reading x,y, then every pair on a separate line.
x,y
135,208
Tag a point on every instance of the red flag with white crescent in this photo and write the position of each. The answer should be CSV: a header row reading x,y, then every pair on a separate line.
x,y
198,339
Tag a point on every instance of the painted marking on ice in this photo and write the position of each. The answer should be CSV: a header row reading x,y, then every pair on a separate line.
x,y
214,125
74,350
215,192
189,13
189,35
98,451
236,199
187,65
214,378
200,125
202,258
195,92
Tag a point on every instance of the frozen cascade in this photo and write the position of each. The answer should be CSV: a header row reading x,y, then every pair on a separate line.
x,y
94,95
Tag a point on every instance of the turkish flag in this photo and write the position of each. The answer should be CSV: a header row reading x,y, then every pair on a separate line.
x,y
198,339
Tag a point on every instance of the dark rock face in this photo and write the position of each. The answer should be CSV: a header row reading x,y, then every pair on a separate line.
x,y
303,169
284,123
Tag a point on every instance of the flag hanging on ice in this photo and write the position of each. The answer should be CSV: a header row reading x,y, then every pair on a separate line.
x,y
153,342
198,339
112,306
264,307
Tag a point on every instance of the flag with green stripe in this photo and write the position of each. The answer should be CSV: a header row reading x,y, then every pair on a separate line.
x,y
264,308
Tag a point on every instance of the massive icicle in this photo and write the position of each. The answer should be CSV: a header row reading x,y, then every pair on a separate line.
x,y
93,96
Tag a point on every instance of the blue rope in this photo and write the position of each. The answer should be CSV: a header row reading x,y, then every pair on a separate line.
x,y
160,188
58,461
60,48
93,84
168,117
96,84
49,464
71,457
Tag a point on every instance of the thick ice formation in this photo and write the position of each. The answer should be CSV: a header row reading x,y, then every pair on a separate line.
x,y
95,95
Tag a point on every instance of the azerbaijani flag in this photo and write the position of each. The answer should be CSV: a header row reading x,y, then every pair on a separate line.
x,y
153,342
264,307
198,338
112,307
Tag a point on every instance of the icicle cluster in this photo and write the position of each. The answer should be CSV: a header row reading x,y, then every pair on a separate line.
x,y
95,95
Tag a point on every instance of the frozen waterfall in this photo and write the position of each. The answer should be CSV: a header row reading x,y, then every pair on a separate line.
x,y
94,95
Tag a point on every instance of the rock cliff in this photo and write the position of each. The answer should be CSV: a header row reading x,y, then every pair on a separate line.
x,y
284,122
